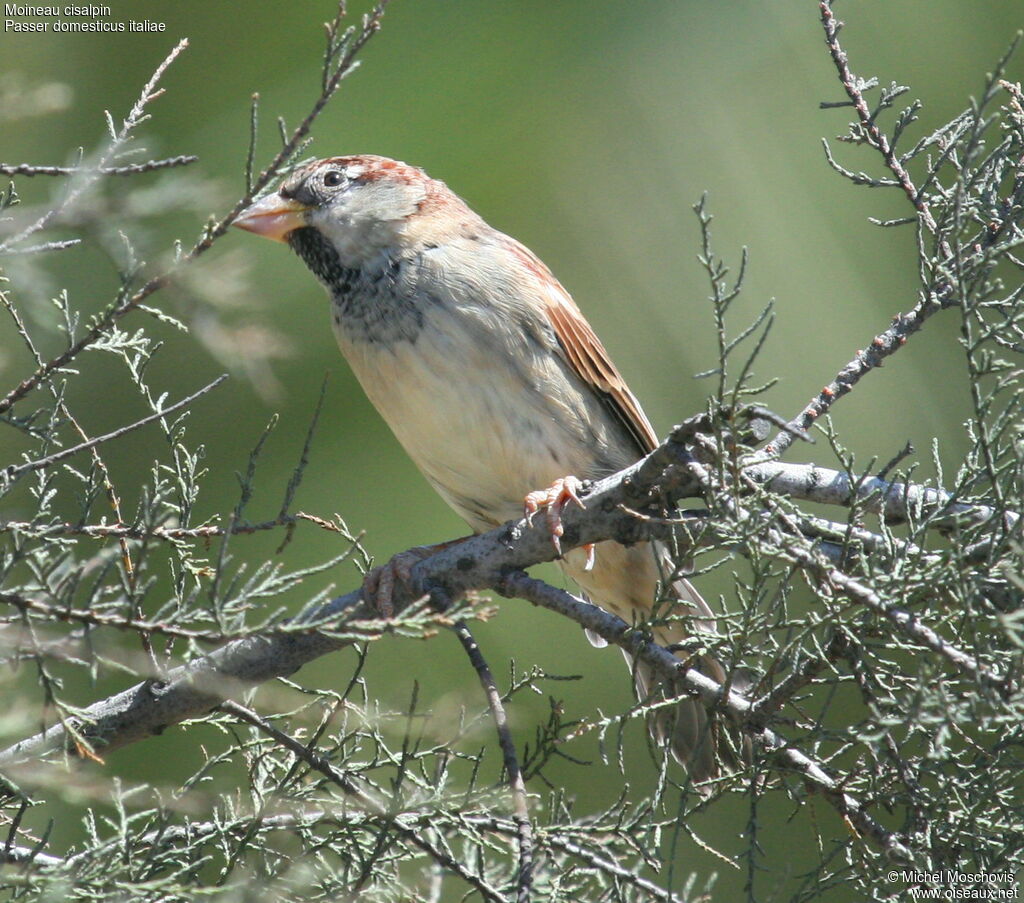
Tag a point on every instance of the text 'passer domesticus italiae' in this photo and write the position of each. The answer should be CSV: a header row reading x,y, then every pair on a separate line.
x,y
489,376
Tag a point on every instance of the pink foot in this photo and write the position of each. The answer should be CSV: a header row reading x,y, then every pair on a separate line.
x,y
554,499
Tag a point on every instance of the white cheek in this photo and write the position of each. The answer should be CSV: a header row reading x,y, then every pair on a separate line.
x,y
365,221
351,235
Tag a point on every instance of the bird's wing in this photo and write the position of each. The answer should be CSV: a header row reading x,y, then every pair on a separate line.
x,y
586,355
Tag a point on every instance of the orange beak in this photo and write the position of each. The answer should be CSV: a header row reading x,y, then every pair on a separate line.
x,y
273,217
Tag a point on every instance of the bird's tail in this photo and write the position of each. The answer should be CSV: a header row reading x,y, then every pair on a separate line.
x,y
624,581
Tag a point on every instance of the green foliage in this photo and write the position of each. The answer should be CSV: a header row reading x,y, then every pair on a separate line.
x,y
885,716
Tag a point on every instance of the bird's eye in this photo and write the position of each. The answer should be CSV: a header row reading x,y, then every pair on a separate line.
x,y
333,178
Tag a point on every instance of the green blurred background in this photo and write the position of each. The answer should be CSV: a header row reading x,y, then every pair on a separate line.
x,y
585,128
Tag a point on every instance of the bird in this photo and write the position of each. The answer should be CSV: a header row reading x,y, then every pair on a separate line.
x,y
494,383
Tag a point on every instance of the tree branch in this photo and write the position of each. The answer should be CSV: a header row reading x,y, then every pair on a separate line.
x,y
495,559
903,325
874,135
739,709
897,503
479,562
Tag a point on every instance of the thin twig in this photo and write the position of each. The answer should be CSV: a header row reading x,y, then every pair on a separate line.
x,y
47,246
135,116
766,706
905,621
904,325
15,470
371,25
617,631
131,169
524,827
882,346
875,136
126,531
612,868
369,803
94,619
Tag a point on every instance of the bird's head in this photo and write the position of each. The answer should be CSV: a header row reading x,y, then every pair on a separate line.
x,y
360,206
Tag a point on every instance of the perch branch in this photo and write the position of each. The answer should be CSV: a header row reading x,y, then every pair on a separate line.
x,y
478,562
493,559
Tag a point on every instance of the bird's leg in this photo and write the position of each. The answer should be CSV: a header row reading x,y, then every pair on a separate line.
x,y
380,583
554,499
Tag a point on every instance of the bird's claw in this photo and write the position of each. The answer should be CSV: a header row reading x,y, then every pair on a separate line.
x,y
380,583
553,500
591,549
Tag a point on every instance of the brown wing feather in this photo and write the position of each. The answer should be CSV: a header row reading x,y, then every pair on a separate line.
x,y
590,360
585,353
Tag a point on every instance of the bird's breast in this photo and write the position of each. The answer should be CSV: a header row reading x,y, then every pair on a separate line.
x,y
484,410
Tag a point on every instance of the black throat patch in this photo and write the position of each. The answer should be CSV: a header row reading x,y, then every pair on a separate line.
x,y
321,257
370,303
